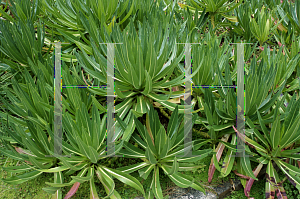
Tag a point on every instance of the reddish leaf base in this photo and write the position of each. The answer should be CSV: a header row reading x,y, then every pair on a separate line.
x,y
72,191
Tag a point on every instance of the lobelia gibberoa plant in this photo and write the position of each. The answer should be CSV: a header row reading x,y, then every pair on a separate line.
x,y
214,8
71,20
163,150
88,152
85,146
220,110
143,77
276,147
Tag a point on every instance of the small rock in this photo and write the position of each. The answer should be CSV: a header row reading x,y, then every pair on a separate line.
x,y
190,193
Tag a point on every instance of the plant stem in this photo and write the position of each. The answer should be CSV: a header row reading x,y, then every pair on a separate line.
x,y
203,134
164,112
212,18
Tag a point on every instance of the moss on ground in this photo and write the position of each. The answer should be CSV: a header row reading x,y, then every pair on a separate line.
x,y
31,189
257,191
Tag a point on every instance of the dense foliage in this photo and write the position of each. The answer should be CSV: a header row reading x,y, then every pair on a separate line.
x,y
149,82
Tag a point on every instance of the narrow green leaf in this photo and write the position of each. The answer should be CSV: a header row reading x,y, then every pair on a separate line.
x,y
126,178
157,188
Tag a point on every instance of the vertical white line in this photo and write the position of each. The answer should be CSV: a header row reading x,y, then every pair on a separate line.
x,y
57,102
110,99
187,102
240,99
